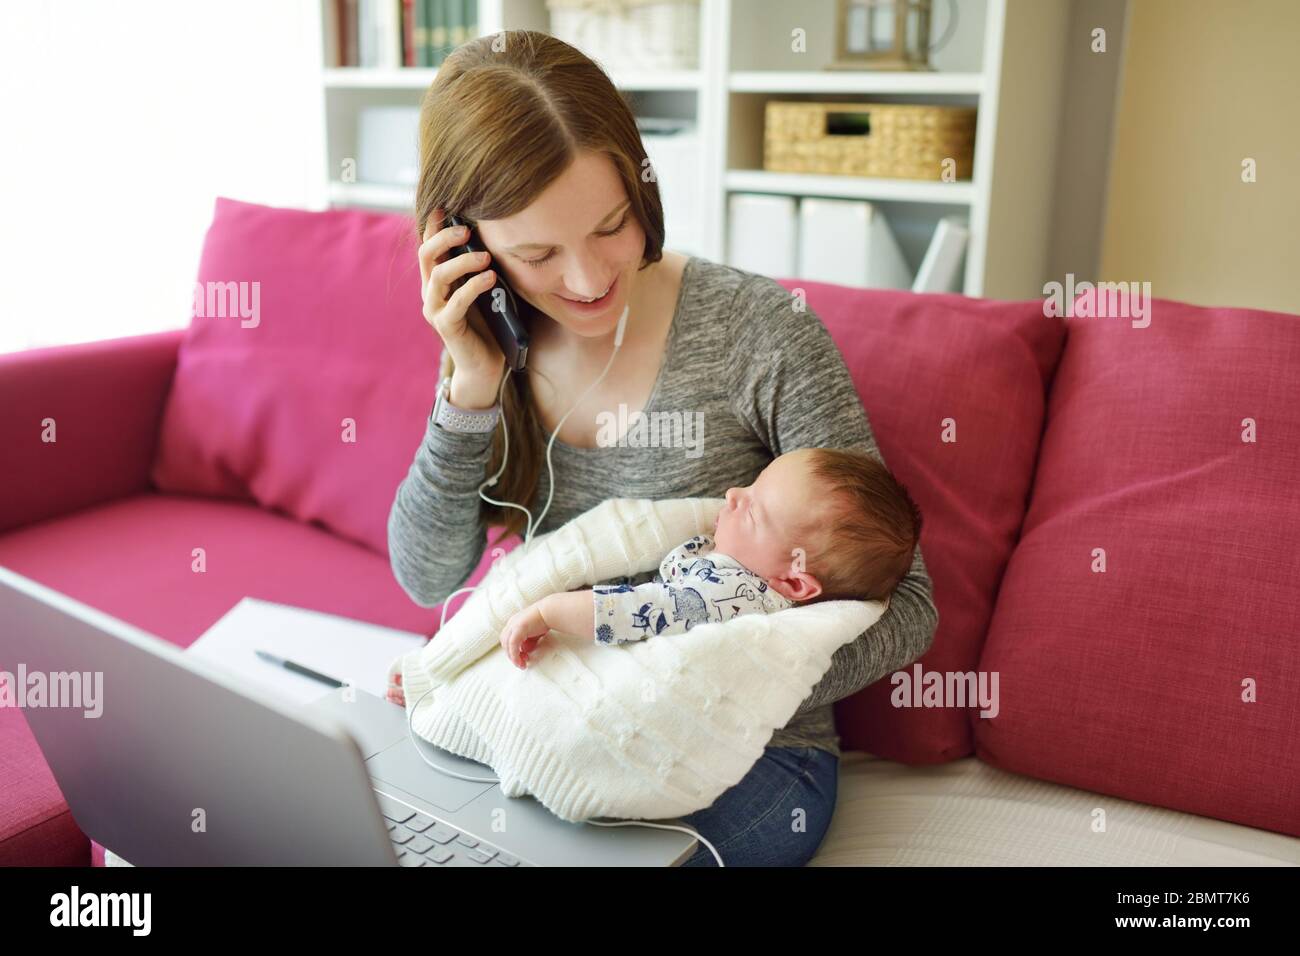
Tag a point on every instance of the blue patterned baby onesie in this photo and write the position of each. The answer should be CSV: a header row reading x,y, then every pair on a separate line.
x,y
695,585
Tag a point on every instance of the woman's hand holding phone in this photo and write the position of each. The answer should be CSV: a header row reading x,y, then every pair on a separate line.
x,y
478,358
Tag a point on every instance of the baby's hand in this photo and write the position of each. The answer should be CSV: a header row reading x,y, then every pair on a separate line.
x,y
395,692
522,633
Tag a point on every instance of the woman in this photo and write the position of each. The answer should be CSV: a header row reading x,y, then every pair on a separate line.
x,y
526,138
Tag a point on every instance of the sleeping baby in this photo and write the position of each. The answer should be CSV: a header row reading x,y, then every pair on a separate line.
x,y
817,524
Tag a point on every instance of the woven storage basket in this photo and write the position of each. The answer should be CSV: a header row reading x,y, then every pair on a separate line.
x,y
868,139
631,34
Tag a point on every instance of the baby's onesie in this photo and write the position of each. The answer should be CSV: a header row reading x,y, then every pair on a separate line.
x,y
695,585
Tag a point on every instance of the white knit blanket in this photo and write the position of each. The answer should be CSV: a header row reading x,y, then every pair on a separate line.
x,y
652,729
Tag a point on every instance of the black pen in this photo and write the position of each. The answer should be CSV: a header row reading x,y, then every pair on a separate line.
x,y
299,669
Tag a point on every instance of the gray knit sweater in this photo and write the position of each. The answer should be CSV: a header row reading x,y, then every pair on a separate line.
x,y
760,378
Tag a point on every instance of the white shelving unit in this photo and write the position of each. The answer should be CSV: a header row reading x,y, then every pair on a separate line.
x,y
1005,57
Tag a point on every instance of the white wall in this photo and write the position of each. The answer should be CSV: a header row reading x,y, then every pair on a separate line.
x,y
1087,120
1206,86
119,125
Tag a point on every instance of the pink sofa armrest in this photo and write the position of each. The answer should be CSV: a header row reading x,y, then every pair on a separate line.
x,y
106,400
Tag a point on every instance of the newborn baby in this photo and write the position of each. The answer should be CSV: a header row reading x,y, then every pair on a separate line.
x,y
817,524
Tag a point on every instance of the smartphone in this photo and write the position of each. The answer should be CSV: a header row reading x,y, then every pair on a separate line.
x,y
498,305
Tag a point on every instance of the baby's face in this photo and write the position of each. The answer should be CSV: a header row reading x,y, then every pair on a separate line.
x,y
759,524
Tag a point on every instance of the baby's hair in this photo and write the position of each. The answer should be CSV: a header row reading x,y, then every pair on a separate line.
x,y
870,526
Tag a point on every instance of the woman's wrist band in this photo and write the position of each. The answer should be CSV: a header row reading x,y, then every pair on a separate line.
x,y
449,417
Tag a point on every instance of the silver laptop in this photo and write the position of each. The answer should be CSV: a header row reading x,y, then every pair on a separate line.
x,y
170,761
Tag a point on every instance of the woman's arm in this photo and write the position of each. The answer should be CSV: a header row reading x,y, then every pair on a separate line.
x,y
436,533
791,387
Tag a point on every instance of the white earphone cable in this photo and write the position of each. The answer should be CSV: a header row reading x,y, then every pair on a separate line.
x,y
528,537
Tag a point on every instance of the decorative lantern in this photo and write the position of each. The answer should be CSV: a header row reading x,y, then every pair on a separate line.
x,y
882,35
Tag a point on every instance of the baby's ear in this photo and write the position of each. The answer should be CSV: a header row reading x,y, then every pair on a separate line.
x,y
797,587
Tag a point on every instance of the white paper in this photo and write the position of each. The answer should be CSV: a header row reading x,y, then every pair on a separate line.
x,y
354,652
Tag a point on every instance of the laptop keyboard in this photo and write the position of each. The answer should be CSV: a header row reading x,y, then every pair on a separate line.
x,y
420,840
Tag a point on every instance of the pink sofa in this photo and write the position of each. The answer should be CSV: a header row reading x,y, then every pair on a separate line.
x,y
1111,509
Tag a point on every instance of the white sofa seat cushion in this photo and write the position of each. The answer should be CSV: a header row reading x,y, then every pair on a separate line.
x,y
968,813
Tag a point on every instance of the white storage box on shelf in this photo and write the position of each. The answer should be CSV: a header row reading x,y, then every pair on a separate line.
x,y
848,242
631,34
762,232
940,270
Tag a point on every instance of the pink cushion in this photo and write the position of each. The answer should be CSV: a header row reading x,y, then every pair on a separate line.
x,y
36,827
1130,682
131,558
258,412
918,360
103,398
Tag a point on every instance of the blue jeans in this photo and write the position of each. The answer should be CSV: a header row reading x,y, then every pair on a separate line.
x,y
775,816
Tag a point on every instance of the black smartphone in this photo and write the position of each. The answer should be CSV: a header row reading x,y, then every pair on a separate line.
x,y
498,305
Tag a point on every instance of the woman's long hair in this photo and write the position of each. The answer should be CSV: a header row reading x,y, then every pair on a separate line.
x,y
505,116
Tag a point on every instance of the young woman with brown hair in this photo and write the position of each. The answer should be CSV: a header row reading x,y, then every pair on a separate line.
x,y
526,138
